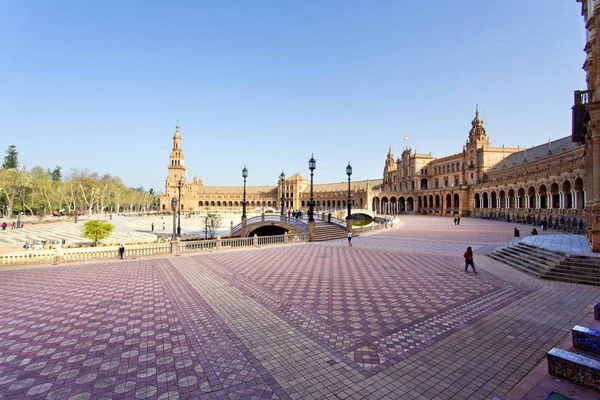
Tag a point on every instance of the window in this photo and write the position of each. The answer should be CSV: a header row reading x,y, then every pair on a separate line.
x,y
445,181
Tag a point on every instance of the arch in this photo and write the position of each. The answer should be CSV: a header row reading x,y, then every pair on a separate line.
x,y
410,204
579,194
230,203
437,201
485,200
567,195
494,200
531,196
218,203
424,183
502,199
448,202
511,198
555,195
477,200
456,201
212,203
402,204
543,192
521,198
431,202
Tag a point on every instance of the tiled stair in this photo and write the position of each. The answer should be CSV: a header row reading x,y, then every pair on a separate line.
x,y
325,231
549,264
581,363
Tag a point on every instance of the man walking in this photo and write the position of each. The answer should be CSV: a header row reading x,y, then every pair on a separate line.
x,y
152,227
469,259
517,234
350,239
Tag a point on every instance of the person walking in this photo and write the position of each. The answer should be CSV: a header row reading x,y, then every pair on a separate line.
x,y
517,233
454,221
122,250
469,259
163,226
350,239
152,227
457,220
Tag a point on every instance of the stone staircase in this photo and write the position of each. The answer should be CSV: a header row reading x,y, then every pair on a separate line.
x,y
549,264
325,231
581,363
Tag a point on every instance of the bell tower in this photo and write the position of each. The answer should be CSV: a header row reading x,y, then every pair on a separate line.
x,y
474,151
176,165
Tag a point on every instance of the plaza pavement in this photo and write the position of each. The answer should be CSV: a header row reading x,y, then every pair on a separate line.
x,y
393,317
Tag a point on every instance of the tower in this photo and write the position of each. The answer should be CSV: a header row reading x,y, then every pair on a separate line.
x,y
176,165
474,150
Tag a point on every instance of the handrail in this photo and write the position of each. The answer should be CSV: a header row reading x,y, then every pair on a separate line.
x,y
141,250
299,223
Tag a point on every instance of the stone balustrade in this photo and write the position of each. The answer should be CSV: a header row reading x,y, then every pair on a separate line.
x,y
60,255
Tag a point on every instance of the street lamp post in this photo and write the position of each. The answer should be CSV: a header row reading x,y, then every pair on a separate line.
x,y
282,180
349,172
244,175
179,185
174,208
312,164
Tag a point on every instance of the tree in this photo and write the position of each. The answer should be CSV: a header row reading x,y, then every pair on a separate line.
x,y
212,223
97,230
11,160
56,175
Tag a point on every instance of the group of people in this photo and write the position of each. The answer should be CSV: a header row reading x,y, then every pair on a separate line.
x,y
13,226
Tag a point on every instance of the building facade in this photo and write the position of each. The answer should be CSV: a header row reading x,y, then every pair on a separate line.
x,y
586,121
294,192
542,184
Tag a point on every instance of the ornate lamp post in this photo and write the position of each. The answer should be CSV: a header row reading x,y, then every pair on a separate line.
x,y
179,185
174,208
244,175
282,180
312,164
349,172
75,206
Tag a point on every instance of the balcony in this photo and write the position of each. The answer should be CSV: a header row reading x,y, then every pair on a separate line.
x,y
584,97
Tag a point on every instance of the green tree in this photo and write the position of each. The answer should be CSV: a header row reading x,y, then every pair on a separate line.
x,y
97,230
56,175
11,160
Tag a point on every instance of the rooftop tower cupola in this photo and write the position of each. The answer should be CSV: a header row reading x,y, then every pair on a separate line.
x,y
477,132
390,164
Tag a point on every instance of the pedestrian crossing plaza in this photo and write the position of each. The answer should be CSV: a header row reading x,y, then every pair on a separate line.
x,y
392,317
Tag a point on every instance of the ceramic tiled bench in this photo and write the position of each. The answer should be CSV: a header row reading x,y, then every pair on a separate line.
x,y
586,339
577,368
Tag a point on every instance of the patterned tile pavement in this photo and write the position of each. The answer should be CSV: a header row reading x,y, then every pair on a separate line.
x,y
391,317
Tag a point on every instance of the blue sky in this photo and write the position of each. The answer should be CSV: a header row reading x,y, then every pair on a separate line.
x,y
101,85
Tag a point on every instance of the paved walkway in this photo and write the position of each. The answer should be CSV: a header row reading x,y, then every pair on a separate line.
x,y
394,316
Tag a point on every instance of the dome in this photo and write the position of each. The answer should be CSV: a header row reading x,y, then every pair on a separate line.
x,y
177,134
477,120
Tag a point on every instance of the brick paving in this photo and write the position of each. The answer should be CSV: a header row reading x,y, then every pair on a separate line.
x,y
394,316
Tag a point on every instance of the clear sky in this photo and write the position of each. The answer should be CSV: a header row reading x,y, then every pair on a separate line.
x,y
101,84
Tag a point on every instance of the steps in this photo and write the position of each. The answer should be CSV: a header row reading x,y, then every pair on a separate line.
x,y
581,363
325,231
549,264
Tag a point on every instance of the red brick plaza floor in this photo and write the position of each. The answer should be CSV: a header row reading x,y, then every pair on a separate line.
x,y
394,316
